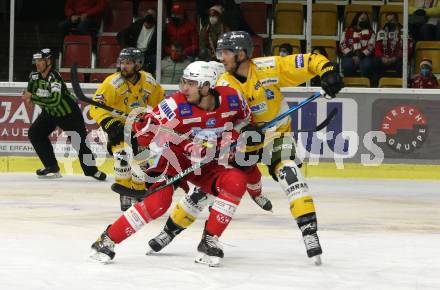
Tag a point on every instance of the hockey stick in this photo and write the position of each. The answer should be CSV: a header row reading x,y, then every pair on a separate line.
x,y
324,123
169,181
80,95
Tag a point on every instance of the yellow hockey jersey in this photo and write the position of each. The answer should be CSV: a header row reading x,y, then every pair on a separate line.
x,y
266,76
121,94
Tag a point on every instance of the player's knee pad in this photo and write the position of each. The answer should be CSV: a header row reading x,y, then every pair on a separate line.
x,y
292,182
254,185
156,204
122,167
231,185
189,208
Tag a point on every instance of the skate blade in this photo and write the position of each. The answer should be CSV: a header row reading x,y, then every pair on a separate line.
x,y
150,251
99,257
208,260
317,260
50,176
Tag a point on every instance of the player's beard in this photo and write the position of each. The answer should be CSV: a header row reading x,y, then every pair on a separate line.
x,y
127,75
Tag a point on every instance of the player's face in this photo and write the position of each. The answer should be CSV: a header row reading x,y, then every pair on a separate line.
x,y
41,65
127,68
227,57
191,90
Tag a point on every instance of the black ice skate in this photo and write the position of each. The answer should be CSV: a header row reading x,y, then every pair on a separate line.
x,y
311,240
159,242
263,202
49,172
99,175
210,251
313,247
103,250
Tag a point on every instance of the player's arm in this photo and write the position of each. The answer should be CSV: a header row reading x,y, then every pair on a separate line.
x,y
157,93
52,99
113,126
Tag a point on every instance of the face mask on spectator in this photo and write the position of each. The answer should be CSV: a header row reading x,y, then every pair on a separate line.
x,y
391,26
175,55
150,19
425,72
363,24
177,19
213,20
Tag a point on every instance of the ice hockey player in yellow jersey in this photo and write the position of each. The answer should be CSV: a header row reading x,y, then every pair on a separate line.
x,y
125,90
260,80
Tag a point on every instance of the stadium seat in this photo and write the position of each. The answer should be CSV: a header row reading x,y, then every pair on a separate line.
x,y
289,19
330,47
431,50
384,9
292,41
120,16
351,10
258,46
390,83
107,54
356,82
255,14
325,20
145,5
76,49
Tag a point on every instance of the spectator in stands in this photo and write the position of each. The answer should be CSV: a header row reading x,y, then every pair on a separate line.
x,y
233,17
142,34
285,49
425,79
357,46
173,65
316,81
182,30
389,47
210,32
83,16
424,19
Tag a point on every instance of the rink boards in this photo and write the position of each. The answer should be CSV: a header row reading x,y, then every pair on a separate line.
x,y
377,133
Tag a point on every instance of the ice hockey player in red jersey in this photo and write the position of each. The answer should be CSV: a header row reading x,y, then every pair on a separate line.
x,y
206,113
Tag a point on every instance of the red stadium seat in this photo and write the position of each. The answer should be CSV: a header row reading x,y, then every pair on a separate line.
x,y
258,46
107,54
107,51
77,49
120,17
255,14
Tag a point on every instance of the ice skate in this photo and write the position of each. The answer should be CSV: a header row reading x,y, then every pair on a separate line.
x,y
210,251
159,242
103,249
49,172
313,247
99,175
263,202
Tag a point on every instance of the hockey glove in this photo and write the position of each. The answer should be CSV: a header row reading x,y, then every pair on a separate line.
x,y
331,80
114,129
252,134
144,129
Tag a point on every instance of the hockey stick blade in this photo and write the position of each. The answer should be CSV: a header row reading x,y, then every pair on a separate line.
x,y
324,123
80,94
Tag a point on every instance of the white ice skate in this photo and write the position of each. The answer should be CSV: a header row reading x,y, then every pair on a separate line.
x,y
210,251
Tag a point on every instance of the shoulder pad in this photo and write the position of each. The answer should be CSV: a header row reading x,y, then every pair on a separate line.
x,y
116,80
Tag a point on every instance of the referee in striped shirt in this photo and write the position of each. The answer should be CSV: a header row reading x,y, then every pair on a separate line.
x,y
47,89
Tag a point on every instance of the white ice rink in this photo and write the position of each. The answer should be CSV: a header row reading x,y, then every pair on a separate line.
x,y
375,235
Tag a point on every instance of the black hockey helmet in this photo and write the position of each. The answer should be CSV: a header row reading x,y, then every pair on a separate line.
x,y
132,54
44,53
235,41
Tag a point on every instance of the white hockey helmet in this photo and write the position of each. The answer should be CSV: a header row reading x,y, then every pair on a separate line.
x,y
202,72
218,66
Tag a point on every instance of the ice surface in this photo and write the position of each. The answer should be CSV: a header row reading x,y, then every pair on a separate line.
x,y
375,235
